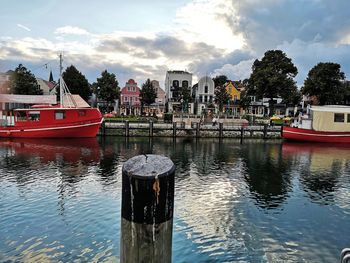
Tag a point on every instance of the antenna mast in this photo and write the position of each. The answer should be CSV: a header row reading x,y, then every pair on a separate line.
x,y
61,83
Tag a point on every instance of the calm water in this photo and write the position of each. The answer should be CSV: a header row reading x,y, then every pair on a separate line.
x,y
255,202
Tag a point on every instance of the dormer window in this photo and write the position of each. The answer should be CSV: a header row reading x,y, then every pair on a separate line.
x,y
206,89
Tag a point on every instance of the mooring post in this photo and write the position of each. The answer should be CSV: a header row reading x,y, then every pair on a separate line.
x,y
265,131
221,129
103,128
126,128
174,129
147,209
198,126
150,128
242,133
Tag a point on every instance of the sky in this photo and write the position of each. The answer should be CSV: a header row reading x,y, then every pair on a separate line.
x,y
139,39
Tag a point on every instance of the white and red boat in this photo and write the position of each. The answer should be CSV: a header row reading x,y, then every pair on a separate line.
x,y
326,124
72,118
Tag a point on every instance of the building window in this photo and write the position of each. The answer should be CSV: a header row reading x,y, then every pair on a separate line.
x,y
133,88
205,98
60,115
175,83
34,115
200,99
21,116
338,117
235,97
128,88
130,99
206,89
348,120
185,84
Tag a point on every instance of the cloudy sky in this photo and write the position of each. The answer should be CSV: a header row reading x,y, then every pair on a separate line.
x,y
142,39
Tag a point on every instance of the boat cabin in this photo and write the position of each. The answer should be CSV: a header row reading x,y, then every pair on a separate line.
x,y
331,118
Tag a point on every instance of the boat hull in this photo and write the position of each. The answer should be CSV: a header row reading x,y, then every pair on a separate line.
x,y
306,135
85,130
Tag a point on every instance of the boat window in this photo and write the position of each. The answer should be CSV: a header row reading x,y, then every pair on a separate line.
x,y
21,116
338,117
82,113
34,115
60,115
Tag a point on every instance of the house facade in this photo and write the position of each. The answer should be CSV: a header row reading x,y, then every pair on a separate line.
x,y
204,95
176,82
130,99
233,107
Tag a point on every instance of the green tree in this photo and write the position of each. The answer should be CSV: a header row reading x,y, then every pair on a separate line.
x,y
222,97
272,77
325,81
24,82
77,83
106,87
220,80
148,94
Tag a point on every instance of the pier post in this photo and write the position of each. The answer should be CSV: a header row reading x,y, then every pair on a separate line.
x,y
103,128
150,128
147,209
265,131
221,129
198,126
174,129
242,133
126,128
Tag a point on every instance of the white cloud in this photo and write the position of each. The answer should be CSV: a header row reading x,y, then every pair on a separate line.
x,y
23,27
239,71
71,30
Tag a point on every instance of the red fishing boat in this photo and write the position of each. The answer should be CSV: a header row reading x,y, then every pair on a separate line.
x,y
72,118
326,124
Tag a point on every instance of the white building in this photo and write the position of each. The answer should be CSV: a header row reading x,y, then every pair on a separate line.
x,y
204,94
175,82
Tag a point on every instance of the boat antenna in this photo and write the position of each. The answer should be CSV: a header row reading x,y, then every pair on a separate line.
x,y
61,82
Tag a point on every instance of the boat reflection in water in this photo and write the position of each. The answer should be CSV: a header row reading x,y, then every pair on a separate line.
x,y
85,150
320,167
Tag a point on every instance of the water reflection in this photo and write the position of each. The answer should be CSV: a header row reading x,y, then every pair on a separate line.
x,y
253,202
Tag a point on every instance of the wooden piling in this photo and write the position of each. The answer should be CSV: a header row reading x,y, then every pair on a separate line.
x,y
126,128
147,209
221,133
198,126
265,131
150,128
174,129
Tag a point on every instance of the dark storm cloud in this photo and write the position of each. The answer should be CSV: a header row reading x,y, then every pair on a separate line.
x,y
266,24
168,46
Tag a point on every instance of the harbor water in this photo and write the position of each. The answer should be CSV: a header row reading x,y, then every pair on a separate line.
x,y
259,201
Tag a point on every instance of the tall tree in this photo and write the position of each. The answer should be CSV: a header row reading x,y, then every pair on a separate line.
x,y
107,87
24,82
272,77
325,81
222,97
220,80
148,93
77,83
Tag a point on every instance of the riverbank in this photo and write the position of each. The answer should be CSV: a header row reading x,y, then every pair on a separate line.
x,y
182,129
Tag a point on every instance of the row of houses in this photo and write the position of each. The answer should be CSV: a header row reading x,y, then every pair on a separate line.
x,y
172,99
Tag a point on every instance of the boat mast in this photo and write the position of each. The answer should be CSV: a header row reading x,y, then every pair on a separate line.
x,y
61,83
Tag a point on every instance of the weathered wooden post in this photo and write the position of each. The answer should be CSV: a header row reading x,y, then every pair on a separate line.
x,y
242,133
126,128
174,129
198,126
150,128
103,128
265,131
221,129
147,209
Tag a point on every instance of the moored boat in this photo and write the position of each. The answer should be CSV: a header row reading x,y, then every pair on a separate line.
x,y
326,124
71,118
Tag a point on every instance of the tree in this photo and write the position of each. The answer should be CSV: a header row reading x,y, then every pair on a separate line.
x,y
272,77
77,83
221,96
325,81
24,82
220,80
148,93
106,87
